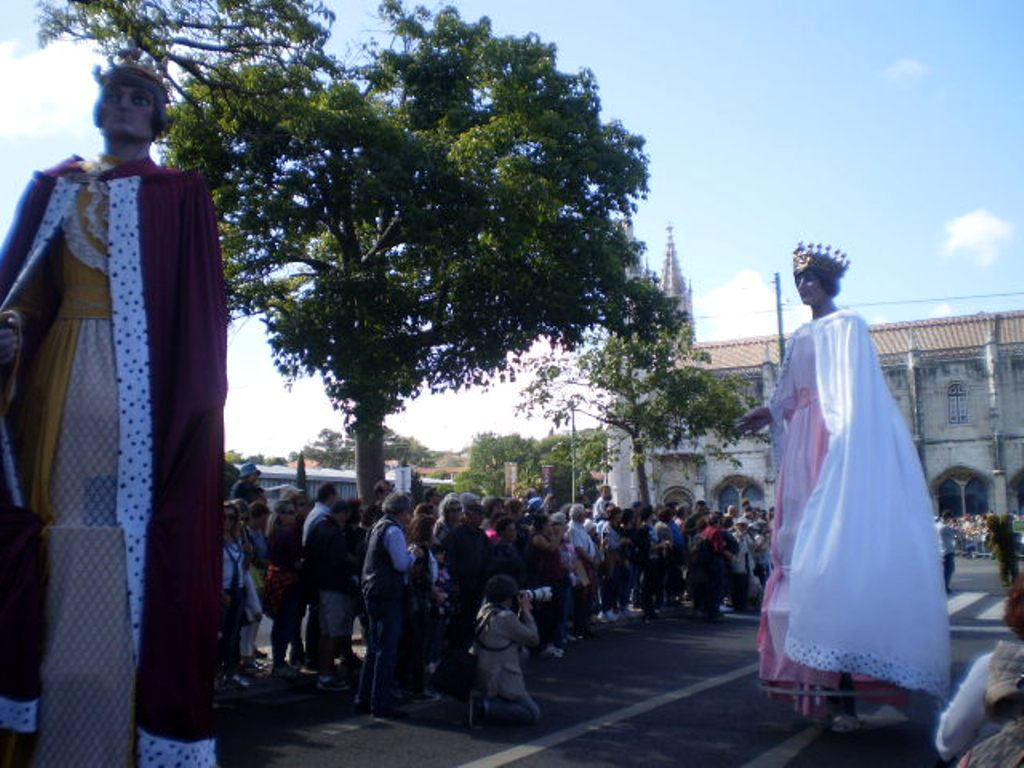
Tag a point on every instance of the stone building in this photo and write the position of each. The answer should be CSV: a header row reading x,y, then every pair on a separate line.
x,y
959,382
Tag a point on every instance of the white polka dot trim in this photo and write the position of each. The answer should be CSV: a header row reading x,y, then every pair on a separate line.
x,y
868,664
157,752
18,716
131,354
60,202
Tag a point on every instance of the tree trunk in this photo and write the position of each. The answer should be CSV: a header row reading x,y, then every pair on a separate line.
x,y
369,460
640,460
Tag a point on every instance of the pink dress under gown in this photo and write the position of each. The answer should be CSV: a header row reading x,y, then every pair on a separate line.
x,y
802,451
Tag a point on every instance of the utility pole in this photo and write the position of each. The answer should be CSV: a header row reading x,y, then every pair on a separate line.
x,y
572,451
778,315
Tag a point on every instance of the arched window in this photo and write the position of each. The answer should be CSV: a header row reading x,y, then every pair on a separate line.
x,y
976,497
680,496
727,497
956,397
753,494
950,499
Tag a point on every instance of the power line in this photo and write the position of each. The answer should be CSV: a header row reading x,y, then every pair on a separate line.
x,y
789,307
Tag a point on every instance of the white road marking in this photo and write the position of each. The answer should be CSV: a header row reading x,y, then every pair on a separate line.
x,y
573,732
781,754
963,600
995,613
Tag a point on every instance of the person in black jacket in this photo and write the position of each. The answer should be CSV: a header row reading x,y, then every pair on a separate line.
x,y
504,556
330,564
468,548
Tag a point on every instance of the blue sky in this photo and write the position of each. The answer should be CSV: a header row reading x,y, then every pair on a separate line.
x,y
891,130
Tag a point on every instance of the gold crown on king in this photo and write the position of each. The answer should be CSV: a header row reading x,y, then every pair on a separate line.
x,y
819,257
130,61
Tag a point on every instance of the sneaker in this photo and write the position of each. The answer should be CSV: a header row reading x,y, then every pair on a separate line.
x,y
844,723
603,616
285,672
552,652
612,616
331,684
240,680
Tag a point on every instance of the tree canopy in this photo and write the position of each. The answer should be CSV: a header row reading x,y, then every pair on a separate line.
x,y
412,223
489,453
652,393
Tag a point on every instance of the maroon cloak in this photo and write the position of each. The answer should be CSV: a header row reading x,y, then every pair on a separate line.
x,y
185,312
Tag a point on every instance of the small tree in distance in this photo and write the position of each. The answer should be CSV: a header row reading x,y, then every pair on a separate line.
x,y
650,393
300,473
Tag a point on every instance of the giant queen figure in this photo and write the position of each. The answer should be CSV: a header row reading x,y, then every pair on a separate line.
x,y
112,375
855,600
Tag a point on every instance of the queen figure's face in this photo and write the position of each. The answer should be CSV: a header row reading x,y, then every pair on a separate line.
x,y
126,113
811,291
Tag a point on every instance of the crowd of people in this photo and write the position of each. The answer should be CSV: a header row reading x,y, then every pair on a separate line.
x,y
414,575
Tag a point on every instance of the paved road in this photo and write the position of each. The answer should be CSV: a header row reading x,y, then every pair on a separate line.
x,y
677,692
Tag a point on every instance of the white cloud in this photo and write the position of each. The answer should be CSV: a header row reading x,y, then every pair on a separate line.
x,y
978,235
744,306
906,71
942,310
46,92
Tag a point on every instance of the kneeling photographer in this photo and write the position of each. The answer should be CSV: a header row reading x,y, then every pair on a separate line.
x,y
504,630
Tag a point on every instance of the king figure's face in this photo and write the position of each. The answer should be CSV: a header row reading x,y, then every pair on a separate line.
x,y
126,113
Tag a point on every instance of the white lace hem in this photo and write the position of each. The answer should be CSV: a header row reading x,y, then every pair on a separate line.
x,y
867,664
19,716
158,752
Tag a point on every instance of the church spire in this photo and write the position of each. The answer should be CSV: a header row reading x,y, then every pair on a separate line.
x,y
672,281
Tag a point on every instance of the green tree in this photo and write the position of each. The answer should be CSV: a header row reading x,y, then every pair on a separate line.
x,y
268,461
407,450
331,449
488,454
650,393
204,42
337,449
300,473
416,223
591,457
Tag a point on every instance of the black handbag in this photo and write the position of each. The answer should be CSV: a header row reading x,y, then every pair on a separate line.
x,y
455,675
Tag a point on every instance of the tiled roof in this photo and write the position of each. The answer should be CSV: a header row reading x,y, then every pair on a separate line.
x,y
944,333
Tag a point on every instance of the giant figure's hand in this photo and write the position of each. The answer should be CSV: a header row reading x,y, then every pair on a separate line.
x,y
754,420
8,340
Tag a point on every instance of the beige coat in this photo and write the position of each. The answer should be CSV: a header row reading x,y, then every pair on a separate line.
x,y
499,672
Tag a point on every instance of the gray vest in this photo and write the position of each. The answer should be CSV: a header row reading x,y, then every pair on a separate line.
x,y
380,579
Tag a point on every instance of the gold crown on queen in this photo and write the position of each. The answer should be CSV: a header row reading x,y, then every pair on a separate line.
x,y
821,258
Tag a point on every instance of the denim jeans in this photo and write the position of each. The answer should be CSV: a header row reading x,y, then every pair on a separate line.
x,y
377,677
561,636
231,629
521,710
286,624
